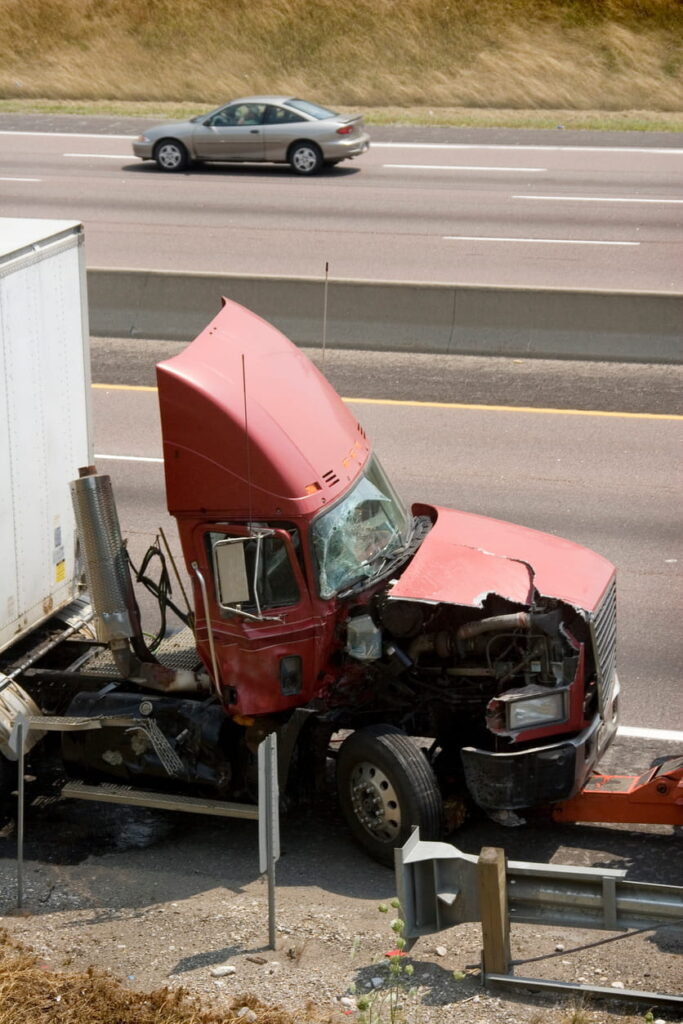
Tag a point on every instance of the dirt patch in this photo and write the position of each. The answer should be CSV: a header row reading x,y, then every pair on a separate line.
x,y
179,905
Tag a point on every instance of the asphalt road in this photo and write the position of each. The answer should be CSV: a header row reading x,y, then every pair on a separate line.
x,y
541,209
611,482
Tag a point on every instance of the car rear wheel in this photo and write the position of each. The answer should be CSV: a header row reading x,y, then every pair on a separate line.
x,y
386,786
171,155
305,158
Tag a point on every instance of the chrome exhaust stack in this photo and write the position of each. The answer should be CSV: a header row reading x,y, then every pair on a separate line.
x,y
104,555
110,585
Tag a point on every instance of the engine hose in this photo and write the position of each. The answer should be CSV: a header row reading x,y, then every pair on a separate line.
x,y
516,620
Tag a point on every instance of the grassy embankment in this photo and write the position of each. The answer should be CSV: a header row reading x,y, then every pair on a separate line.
x,y
581,63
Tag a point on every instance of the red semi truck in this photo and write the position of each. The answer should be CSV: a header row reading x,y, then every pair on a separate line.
x,y
464,660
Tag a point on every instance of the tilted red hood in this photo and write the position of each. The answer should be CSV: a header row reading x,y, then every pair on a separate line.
x,y
250,427
465,557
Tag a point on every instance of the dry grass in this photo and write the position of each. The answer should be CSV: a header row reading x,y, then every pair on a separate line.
x,y
31,992
515,54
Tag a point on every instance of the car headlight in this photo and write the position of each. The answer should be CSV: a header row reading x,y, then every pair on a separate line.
x,y
534,711
142,138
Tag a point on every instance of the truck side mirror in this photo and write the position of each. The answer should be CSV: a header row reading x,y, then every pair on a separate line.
x,y
230,572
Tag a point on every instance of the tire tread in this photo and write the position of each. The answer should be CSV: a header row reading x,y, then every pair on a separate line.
x,y
394,743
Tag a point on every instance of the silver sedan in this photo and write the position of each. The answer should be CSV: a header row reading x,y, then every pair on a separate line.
x,y
278,129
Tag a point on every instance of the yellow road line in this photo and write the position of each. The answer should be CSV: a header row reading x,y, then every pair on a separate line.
x,y
124,387
458,405
514,408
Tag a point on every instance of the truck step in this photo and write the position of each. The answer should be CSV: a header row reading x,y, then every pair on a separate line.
x,y
176,651
63,723
114,794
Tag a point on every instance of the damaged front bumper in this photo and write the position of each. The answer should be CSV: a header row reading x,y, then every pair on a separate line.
x,y
542,775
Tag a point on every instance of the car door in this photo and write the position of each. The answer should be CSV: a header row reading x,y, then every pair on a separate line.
x,y
233,133
281,127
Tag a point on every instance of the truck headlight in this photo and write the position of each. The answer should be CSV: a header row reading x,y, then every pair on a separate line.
x,y
533,711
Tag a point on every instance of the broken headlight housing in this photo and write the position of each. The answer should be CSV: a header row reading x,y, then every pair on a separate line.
x,y
528,707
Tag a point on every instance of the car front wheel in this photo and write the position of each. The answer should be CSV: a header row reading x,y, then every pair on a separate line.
x,y
171,155
305,158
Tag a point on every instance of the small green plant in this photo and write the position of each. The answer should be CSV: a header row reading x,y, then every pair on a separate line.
x,y
397,999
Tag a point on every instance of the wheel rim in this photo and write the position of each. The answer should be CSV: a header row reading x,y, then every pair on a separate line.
x,y
305,159
169,156
375,802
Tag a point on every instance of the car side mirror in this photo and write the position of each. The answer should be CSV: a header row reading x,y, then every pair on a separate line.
x,y
230,572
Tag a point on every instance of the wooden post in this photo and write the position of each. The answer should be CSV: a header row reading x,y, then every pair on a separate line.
x,y
495,921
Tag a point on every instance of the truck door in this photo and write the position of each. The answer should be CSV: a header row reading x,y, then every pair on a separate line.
x,y
260,614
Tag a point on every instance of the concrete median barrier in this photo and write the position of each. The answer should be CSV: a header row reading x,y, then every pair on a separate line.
x,y
398,316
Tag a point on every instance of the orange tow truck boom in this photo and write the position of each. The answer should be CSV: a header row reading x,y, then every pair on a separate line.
x,y
653,798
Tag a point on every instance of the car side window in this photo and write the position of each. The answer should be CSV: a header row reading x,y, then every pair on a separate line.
x,y
238,114
279,115
224,118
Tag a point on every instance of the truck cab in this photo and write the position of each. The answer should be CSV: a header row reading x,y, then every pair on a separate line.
x,y
464,659
445,660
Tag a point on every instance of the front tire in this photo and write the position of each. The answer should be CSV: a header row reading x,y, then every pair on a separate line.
x,y
305,158
386,786
171,156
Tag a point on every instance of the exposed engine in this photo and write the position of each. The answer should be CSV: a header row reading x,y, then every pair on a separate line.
x,y
438,671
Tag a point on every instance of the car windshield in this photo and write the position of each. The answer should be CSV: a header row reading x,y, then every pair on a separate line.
x,y
356,538
312,109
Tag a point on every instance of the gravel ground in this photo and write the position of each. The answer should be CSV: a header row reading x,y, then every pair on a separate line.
x,y
163,899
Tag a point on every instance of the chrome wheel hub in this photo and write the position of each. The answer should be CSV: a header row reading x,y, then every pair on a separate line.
x,y
169,156
375,802
305,160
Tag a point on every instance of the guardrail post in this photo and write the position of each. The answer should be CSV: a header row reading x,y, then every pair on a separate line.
x,y
495,920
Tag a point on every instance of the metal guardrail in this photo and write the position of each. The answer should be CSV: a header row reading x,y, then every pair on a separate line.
x,y
439,887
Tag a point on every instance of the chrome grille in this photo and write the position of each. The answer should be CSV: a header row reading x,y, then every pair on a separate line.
x,y
604,635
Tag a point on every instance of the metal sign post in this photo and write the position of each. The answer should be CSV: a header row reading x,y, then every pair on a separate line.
x,y
21,735
269,822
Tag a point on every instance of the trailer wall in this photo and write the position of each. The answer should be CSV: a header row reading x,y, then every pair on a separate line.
x,y
44,416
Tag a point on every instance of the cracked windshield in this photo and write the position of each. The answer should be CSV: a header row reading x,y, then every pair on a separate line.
x,y
355,539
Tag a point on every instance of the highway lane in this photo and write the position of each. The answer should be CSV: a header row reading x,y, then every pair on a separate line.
x,y
542,215
608,482
652,388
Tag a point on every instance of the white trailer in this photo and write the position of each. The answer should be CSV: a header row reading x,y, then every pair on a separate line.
x,y
45,431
